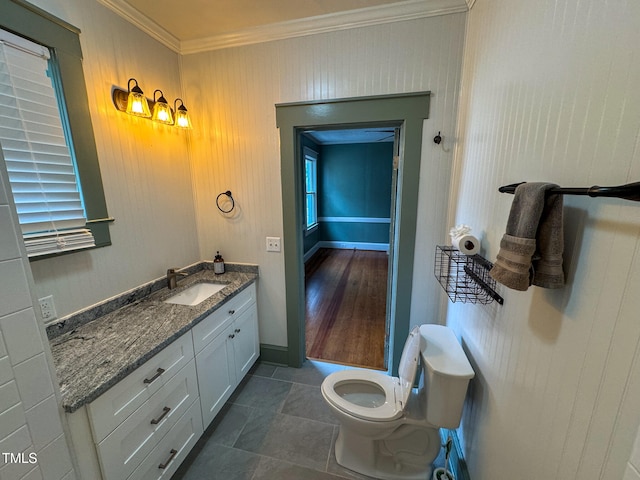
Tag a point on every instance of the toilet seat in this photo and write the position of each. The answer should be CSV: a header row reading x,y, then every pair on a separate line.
x,y
396,389
390,410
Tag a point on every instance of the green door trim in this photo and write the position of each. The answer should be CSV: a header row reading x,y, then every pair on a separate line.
x,y
405,110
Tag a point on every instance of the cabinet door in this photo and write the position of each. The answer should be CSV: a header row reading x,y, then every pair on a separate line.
x,y
216,375
246,345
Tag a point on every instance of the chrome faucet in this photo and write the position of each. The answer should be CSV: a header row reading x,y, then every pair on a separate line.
x,y
172,277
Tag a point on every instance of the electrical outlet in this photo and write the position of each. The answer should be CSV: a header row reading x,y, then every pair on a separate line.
x,y
48,308
273,244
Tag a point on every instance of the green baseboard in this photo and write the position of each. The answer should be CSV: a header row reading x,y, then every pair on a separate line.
x,y
274,354
457,463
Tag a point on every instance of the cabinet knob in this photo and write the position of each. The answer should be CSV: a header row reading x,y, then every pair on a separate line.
x,y
237,330
231,312
231,335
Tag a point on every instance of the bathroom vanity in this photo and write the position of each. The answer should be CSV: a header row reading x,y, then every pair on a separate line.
x,y
141,382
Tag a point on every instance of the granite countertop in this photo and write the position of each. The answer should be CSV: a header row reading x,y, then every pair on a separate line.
x,y
94,356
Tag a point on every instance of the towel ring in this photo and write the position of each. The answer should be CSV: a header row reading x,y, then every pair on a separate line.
x,y
228,194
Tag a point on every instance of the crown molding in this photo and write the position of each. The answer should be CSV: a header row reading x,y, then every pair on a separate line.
x,y
144,23
396,12
408,10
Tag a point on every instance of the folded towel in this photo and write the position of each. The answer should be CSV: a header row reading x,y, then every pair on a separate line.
x,y
531,249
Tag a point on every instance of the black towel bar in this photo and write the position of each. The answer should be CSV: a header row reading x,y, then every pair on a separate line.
x,y
630,191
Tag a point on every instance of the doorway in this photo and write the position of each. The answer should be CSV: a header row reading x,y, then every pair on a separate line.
x,y
406,110
349,179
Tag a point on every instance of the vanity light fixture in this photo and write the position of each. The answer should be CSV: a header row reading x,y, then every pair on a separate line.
x,y
161,110
133,102
136,101
182,119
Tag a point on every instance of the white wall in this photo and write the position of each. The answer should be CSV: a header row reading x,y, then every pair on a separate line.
x,y
235,145
549,93
145,166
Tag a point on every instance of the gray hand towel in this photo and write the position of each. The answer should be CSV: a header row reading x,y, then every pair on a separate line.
x,y
531,249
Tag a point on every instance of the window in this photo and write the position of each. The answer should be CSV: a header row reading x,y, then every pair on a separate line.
x,y
311,188
36,150
46,134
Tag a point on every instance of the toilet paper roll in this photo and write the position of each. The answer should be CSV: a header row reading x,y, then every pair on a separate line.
x,y
467,244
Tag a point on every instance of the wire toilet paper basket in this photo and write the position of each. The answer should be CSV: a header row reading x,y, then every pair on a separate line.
x,y
465,278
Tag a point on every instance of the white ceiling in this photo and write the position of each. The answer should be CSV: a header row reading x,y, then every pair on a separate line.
x,y
193,19
192,26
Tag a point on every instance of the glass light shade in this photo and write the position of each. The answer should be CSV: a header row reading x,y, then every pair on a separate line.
x,y
162,113
137,104
161,110
182,118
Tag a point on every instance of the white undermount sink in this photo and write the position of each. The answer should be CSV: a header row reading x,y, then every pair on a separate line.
x,y
195,294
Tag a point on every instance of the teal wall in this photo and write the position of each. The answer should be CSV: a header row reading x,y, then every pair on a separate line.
x,y
354,180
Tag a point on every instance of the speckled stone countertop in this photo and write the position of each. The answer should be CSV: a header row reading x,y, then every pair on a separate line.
x,y
95,355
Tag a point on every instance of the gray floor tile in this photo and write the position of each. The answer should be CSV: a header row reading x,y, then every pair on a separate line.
x,y
263,369
229,424
260,392
311,372
296,440
275,426
217,462
272,469
306,401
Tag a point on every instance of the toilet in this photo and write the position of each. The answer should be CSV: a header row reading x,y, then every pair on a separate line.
x,y
388,428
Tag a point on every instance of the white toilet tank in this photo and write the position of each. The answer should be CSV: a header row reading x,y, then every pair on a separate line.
x,y
447,372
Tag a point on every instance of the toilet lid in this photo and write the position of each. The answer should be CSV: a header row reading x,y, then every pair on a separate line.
x,y
408,365
389,385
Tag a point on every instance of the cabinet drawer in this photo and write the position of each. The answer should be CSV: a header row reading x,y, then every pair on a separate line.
x,y
205,331
125,448
112,407
163,460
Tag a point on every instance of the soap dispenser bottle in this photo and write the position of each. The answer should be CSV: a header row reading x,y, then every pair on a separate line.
x,y
218,264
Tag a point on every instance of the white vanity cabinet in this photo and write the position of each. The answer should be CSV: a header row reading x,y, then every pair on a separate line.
x,y
226,346
165,392
144,426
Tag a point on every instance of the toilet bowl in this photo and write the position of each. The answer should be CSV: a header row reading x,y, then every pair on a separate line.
x,y
387,429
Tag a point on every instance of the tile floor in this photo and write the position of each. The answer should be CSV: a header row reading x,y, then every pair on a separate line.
x,y
276,426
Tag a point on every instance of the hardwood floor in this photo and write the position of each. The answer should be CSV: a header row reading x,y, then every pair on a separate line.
x,y
346,293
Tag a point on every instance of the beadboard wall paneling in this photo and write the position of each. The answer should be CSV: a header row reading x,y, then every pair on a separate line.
x,y
145,167
549,93
235,143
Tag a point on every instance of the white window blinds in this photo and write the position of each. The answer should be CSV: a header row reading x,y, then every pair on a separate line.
x,y
38,157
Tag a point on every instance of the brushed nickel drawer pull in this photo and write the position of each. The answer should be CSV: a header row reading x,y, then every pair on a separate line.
x,y
159,372
156,421
164,465
231,312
